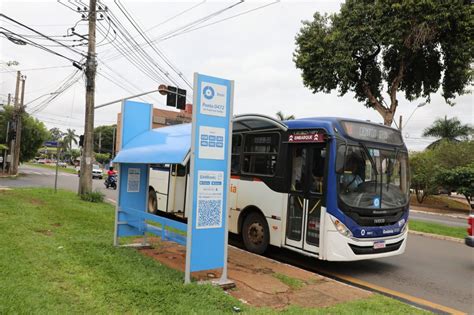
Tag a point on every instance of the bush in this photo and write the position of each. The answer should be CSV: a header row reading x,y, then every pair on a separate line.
x,y
95,196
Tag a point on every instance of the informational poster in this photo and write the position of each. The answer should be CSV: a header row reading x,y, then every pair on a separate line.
x,y
214,99
206,245
211,144
210,195
133,180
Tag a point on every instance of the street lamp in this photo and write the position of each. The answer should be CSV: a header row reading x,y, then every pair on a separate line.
x,y
417,106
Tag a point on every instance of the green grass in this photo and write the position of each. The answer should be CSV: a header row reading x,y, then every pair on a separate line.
x,y
53,167
57,257
376,304
289,281
440,229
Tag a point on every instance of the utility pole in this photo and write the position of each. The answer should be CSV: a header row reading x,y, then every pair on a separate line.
x,y
400,124
113,143
100,141
85,180
19,114
14,121
9,99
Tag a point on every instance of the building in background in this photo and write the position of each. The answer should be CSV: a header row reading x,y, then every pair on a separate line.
x,y
161,118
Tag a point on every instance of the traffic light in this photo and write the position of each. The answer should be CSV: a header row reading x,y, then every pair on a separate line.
x,y
176,97
81,140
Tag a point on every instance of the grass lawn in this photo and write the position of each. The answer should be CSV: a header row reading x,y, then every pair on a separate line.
x,y
53,167
440,229
57,257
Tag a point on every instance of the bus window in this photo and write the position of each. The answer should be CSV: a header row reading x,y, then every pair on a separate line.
x,y
260,154
317,170
236,150
297,174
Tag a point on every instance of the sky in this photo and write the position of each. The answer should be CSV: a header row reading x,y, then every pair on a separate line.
x,y
254,48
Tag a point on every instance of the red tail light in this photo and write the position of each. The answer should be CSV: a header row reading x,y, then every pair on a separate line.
x,y
470,223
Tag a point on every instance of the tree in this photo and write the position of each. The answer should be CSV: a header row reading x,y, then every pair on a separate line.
x,y
56,134
102,158
459,179
371,46
33,133
282,116
106,136
450,155
423,170
69,137
447,130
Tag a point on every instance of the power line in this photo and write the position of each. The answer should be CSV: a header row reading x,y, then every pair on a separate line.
x,y
221,20
34,69
45,36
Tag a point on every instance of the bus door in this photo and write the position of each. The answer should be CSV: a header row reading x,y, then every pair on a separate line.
x,y
305,196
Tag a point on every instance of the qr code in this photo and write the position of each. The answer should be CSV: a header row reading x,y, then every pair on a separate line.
x,y
209,214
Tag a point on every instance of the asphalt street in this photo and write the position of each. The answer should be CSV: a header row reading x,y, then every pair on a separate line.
x,y
458,221
435,270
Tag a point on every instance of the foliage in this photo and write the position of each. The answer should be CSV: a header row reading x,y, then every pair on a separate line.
x,y
448,130
428,168
93,196
3,147
74,153
283,117
454,154
423,168
460,179
370,46
56,134
106,136
102,158
33,133
70,137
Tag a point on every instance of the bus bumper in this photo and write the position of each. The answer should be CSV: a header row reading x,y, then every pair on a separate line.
x,y
342,248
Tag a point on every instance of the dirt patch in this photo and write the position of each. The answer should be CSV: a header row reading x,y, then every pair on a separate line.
x,y
44,232
263,282
441,204
36,202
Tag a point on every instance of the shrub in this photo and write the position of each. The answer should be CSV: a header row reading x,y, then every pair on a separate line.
x,y
95,196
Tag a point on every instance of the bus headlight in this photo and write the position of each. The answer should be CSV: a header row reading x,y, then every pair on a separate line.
x,y
341,228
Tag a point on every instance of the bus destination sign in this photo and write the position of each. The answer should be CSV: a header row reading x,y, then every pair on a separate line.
x,y
306,137
370,132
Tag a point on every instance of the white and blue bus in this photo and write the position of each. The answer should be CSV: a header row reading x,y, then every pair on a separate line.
x,y
332,188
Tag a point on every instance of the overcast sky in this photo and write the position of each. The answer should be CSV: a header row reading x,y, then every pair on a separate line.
x,y
255,49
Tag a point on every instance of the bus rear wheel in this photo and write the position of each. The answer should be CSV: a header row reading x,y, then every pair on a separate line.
x,y
152,202
255,233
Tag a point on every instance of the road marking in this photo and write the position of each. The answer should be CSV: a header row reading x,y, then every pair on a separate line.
x,y
396,294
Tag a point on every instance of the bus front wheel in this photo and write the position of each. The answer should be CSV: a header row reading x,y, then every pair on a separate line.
x,y
255,233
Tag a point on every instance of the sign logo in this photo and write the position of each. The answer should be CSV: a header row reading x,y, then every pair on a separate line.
x,y
362,232
376,202
208,92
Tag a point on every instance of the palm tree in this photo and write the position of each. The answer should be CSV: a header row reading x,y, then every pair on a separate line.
x,y
447,130
282,116
70,137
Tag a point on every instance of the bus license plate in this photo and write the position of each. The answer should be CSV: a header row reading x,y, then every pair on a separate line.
x,y
379,244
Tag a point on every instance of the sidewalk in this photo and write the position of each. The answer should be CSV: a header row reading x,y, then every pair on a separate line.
x,y
263,282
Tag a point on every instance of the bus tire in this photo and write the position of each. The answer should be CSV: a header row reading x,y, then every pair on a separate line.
x,y
255,233
152,202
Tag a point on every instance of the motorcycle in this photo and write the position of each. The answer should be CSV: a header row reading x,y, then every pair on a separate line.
x,y
111,182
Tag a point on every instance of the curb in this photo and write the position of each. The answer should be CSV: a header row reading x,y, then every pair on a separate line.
x,y
439,237
454,216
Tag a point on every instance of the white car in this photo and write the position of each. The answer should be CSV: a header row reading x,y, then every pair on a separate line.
x,y
97,172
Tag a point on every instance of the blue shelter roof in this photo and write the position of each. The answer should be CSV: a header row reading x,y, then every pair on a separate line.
x,y
163,145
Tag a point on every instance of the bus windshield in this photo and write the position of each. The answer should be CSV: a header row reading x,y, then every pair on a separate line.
x,y
373,178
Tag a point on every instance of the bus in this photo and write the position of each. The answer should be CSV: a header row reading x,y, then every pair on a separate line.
x,y
332,188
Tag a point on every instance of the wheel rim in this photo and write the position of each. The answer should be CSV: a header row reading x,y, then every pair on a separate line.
x,y
256,233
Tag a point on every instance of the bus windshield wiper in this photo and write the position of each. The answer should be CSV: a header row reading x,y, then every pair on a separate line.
x,y
371,159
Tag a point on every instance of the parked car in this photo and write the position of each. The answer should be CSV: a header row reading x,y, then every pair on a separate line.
x,y
62,164
469,240
97,172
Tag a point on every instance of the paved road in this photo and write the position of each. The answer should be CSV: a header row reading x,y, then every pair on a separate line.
x,y
440,219
42,177
431,269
